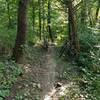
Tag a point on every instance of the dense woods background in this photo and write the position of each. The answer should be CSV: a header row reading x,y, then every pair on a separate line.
x,y
28,28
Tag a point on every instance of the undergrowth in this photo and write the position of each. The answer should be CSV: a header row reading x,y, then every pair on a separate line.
x,y
89,64
9,71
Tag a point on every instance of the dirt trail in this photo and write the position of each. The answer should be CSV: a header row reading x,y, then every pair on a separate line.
x,y
49,79
39,77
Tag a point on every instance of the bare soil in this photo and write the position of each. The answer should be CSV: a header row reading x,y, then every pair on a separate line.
x,y
39,79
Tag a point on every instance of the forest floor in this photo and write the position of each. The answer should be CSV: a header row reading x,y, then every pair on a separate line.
x,y
43,71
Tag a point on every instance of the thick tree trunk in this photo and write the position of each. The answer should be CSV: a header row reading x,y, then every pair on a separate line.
x,y
21,31
74,42
49,20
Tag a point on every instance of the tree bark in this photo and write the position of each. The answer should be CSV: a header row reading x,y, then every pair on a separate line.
x,y
43,18
8,12
21,31
97,10
74,42
49,21
83,13
40,25
33,14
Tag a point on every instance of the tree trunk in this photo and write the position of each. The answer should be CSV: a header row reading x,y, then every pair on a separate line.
x,y
97,10
33,14
43,18
8,12
49,20
74,42
21,31
83,13
40,28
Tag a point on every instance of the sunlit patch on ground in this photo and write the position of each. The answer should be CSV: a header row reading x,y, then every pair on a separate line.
x,y
27,68
40,76
68,91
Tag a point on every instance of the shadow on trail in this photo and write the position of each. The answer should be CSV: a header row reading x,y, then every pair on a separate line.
x,y
41,71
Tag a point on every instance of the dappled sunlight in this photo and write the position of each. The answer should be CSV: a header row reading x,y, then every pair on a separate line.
x,y
66,90
49,50
50,94
27,68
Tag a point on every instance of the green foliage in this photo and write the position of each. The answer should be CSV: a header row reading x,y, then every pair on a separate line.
x,y
87,39
9,71
89,64
6,37
90,83
87,45
89,58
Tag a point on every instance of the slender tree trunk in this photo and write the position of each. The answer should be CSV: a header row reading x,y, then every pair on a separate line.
x,y
49,20
74,42
33,14
83,13
8,12
21,31
90,18
43,18
40,25
97,10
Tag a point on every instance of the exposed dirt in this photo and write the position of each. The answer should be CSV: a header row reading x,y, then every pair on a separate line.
x,y
39,79
36,80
